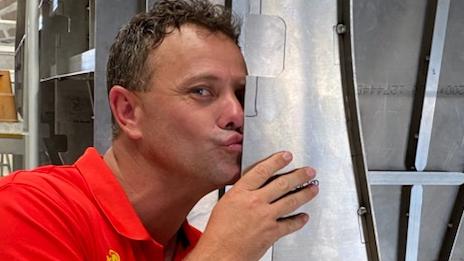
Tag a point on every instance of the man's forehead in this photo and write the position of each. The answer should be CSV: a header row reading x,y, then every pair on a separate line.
x,y
212,76
191,40
187,37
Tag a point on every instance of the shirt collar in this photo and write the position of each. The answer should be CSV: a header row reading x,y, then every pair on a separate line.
x,y
110,196
114,203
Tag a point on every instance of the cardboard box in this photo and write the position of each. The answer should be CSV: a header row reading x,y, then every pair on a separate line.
x,y
7,108
5,82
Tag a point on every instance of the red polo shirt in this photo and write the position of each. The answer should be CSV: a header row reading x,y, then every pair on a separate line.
x,y
77,212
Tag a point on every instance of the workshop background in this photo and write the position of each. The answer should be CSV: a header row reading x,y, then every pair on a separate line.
x,y
369,92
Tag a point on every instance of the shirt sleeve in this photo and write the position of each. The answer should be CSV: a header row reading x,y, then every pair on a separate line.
x,y
36,226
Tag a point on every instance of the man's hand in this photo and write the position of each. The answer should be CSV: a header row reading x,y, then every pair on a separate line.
x,y
251,216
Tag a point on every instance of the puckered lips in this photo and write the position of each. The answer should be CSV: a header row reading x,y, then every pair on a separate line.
x,y
233,142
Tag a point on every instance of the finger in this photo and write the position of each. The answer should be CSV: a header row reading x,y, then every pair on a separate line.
x,y
292,202
262,171
291,224
286,183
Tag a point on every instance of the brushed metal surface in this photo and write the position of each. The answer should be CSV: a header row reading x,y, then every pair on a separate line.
x,y
387,42
415,178
386,203
414,223
446,151
431,86
301,110
447,141
387,39
436,212
257,28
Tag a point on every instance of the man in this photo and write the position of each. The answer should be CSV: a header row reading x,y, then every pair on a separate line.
x,y
176,80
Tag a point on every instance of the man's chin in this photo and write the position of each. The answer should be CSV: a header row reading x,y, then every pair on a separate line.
x,y
234,177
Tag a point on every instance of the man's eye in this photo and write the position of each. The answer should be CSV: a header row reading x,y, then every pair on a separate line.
x,y
201,92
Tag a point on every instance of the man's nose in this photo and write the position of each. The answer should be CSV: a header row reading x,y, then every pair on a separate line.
x,y
231,117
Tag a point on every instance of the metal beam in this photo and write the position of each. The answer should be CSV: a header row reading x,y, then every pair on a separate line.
x,y
344,29
419,91
415,178
414,222
32,84
6,49
8,22
431,88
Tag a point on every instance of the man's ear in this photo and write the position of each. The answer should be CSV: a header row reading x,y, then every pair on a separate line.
x,y
124,106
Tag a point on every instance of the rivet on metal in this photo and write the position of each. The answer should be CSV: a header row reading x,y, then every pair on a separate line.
x,y
362,211
340,28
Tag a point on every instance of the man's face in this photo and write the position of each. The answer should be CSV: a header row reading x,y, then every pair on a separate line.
x,y
192,116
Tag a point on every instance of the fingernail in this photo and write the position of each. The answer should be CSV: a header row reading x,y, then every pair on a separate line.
x,y
287,156
309,172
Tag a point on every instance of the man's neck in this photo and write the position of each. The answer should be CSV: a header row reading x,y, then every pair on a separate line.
x,y
159,200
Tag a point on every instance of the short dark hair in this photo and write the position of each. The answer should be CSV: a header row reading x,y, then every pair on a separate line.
x,y
127,63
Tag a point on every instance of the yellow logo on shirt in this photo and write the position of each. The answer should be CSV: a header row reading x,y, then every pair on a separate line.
x,y
112,256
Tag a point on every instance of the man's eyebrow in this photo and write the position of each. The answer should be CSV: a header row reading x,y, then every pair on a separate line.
x,y
212,77
203,76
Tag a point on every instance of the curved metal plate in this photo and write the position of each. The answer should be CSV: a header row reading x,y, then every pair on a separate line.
x,y
302,110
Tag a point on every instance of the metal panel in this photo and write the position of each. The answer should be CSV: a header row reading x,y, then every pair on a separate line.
x,y
301,110
453,242
435,215
272,53
65,33
79,66
387,42
83,62
386,204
